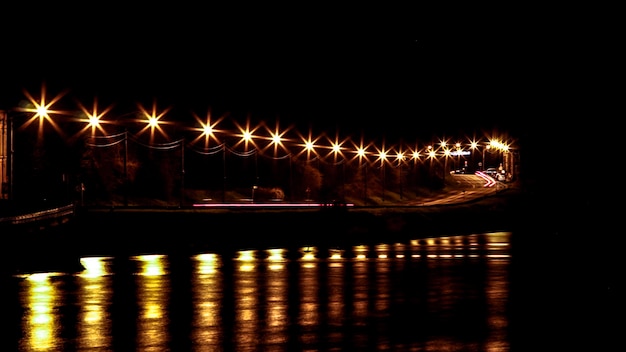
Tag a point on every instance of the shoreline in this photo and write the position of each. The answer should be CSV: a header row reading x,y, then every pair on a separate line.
x,y
187,231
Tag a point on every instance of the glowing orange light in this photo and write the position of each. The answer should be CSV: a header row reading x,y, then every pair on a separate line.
x,y
41,111
336,147
415,154
153,121
360,151
382,154
308,145
400,157
276,139
93,119
246,135
207,129
432,154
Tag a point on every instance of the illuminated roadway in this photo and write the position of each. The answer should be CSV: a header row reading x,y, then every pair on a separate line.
x,y
462,188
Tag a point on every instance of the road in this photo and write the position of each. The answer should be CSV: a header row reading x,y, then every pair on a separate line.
x,y
463,188
460,188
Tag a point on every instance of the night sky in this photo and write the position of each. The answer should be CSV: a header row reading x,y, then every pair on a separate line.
x,y
407,86
450,78
460,74
550,78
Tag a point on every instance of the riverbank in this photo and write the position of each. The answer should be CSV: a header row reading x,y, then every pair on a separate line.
x,y
121,231
100,231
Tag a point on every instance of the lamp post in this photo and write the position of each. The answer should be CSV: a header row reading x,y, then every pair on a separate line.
x,y
485,148
247,138
382,166
458,156
7,141
224,173
365,183
336,151
7,121
473,146
446,155
182,172
125,168
6,155
415,156
361,154
431,156
309,148
256,171
382,155
400,159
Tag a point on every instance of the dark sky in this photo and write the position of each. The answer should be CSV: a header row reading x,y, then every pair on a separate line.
x,y
458,76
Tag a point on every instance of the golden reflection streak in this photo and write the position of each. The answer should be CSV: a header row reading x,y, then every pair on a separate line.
x,y
360,252
96,292
207,296
335,255
497,246
246,260
497,291
277,319
490,245
308,254
361,285
382,278
399,250
276,259
153,289
40,319
382,250
498,242
94,267
246,292
335,289
309,302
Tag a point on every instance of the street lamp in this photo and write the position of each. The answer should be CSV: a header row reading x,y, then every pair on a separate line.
x,y
473,147
6,155
208,131
446,155
400,159
308,147
431,156
416,157
361,153
485,148
458,155
276,139
337,148
39,112
382,156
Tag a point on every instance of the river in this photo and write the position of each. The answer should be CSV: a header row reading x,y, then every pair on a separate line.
x,y
447,293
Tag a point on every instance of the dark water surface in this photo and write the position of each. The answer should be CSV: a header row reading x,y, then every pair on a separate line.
x,y
434,294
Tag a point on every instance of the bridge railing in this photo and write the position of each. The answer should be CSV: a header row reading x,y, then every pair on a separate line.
x,y
53,213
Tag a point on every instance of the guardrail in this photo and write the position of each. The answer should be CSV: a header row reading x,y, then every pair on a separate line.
x,y
39,216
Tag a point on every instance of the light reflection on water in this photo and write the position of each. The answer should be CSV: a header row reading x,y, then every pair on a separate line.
x,y
447,293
